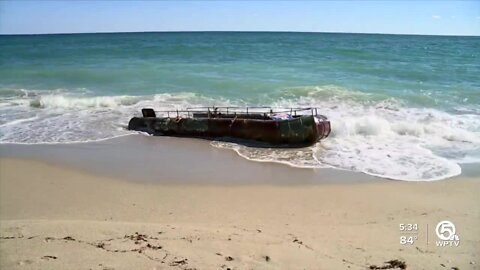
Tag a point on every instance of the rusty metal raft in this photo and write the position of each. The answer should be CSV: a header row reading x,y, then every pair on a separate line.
x,y
292,127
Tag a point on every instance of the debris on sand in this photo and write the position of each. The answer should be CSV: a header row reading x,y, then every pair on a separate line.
x,y
137,237
179,262
392,264
48,257
153,247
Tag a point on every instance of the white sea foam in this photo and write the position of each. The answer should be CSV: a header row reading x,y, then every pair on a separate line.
x,y
18,121
295,157
62,101
382,138
66,118
372,134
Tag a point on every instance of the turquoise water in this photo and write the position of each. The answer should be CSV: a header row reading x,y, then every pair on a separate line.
x,y
406,103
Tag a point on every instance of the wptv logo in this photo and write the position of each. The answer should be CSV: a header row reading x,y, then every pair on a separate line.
x,y
446,232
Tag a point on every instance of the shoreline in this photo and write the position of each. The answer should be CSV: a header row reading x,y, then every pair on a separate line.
x,y
165,159
73,218
173,160
390,188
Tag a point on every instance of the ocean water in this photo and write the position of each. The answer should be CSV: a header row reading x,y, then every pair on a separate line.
x,y
401,107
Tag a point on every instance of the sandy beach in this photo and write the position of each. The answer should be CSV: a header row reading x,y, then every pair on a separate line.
x,y
57,217
232,135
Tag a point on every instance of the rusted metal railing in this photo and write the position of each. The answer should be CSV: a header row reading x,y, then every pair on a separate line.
x,y
232,110
239,110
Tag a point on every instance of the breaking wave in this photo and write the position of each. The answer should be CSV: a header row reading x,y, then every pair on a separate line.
x,y
57,116
378,135
60,101
372,133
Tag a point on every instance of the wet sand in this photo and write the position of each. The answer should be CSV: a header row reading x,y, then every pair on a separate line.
x,y
57,216
171,160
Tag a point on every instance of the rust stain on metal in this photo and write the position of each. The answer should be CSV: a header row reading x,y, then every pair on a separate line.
x,y
293,129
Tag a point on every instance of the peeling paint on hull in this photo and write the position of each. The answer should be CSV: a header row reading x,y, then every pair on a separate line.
x,y
300,130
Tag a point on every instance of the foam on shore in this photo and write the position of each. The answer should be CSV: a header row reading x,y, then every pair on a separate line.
x,y
373,134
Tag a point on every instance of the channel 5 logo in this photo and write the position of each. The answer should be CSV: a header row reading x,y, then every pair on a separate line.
x,y
446,232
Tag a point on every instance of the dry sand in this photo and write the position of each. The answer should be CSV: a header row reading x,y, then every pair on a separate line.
x,y
53,217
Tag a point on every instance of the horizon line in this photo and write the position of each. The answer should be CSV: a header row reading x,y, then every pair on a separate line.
x,y
234,31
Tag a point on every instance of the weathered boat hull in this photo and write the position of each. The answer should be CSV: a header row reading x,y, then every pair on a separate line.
x,y
301,130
